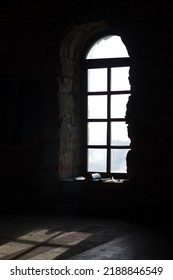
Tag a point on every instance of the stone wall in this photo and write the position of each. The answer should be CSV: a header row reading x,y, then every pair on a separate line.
x,y
70,95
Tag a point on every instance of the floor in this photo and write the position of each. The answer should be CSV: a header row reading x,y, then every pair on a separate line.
x,y
35,236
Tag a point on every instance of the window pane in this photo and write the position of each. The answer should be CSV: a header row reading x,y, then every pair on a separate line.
x,y
97,133
119,134
97,107
112,43
118,160
118,105
97,80
120,78
97,160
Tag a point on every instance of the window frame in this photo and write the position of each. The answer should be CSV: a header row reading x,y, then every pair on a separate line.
x,y
95,64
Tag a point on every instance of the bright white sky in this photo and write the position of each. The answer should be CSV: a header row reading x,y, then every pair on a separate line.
x,y
108,47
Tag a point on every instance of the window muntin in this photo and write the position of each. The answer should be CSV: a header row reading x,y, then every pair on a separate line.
x,y
107,93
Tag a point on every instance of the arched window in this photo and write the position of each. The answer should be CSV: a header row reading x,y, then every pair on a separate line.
x,y
107,90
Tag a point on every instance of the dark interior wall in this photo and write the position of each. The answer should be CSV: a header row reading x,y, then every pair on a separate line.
x,y
40,47
149,110
27,67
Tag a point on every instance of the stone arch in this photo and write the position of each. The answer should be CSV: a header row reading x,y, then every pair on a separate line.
x,y
70,52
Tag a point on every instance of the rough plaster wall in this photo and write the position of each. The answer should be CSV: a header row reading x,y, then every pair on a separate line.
x,y
69,130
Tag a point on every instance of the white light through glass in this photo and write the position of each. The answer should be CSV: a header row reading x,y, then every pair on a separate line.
x,y
97,80
108,47
119,134
120,78
97,133
97,106
118,160
119,105
97,160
